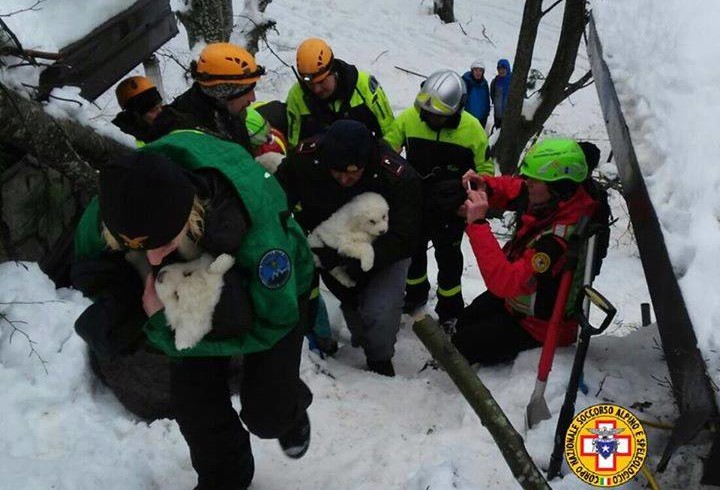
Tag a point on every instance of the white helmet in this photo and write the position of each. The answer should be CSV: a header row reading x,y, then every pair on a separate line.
x,y
477,64
443,93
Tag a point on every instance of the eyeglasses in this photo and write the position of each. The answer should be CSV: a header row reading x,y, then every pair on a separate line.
x,y
243,91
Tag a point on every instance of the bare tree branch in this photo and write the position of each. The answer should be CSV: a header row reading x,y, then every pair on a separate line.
x,y
550,8
32,8
582,82
378,56
15,329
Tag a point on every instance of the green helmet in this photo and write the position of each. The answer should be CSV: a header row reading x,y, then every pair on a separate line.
x,y
257,127
555,159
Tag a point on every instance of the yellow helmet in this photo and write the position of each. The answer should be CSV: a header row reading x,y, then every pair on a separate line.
x,y
222,63
314,60
131,87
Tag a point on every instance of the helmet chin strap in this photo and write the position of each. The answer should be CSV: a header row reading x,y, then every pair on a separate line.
x,y
449,122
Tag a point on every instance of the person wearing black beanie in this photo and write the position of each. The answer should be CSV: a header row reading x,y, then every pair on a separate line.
x,y
322,175
145,200
187,194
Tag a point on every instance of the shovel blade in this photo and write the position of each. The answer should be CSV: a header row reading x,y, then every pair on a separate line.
x,y
537,409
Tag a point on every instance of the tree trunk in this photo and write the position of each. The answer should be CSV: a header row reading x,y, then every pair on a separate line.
x,y
516,131
48,172
208,20
255,30
481,400
445,9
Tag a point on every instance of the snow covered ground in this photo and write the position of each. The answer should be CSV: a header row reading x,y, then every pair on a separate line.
x,y
60,428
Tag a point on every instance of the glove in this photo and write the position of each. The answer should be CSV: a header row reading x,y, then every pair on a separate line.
x,y
447,196
352,269
329,257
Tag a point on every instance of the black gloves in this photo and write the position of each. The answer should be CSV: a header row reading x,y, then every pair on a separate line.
x,y
352,268
329,257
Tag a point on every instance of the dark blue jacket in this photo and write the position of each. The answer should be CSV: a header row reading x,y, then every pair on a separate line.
x,y
478,97
499,89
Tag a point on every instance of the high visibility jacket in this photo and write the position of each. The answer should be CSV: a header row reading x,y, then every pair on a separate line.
x,y
358,96
444,154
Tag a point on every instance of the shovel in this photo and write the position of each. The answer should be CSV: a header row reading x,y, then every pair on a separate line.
x,y
537,409
568,409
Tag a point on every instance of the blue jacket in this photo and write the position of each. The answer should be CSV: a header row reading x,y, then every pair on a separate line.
x,y
499,89
478,97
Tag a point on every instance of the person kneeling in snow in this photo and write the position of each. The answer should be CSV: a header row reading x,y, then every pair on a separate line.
x,y
180,196
324,173
523,278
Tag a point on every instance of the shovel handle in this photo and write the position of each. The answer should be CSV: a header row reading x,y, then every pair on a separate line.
x,y
605,306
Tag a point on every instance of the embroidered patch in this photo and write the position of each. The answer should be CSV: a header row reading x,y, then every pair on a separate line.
x,y
373,84
274,269
308,146
393,166
134,243
540,262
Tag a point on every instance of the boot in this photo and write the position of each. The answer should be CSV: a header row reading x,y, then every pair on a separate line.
x,y
296,441
384,368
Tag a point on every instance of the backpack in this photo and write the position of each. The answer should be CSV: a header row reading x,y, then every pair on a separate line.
x,y
600,222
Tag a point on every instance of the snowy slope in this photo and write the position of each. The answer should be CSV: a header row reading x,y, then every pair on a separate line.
x,y
62,429
672,117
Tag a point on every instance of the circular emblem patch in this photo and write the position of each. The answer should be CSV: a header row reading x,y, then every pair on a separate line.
x,y
274,269
540,262
605,445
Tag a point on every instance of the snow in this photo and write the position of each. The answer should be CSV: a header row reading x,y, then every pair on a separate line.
x,y
50,25
671,115
61,428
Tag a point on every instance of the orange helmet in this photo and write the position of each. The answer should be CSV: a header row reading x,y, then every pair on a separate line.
x,y
131,87
222,63
314,60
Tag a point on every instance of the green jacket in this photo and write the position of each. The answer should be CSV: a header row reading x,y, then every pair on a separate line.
x,y
358,96
447,153
274,253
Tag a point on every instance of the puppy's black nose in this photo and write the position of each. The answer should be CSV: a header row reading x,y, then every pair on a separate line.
x,y
382,232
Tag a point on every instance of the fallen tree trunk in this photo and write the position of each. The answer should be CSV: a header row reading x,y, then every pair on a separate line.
x,y
48,174
481,400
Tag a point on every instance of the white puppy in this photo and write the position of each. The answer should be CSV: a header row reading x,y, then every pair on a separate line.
x,y
190,291
270,160
351,230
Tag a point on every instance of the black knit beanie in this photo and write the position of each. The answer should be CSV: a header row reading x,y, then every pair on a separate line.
x,y
346,146
145,199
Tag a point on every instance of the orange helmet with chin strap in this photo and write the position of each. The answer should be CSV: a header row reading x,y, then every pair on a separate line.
x,y
132,87
221,63
314,60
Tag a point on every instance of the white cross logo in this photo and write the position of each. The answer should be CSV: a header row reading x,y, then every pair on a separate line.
x,y
589,448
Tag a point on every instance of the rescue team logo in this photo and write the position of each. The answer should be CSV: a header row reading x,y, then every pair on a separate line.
x,y
605,445
540,262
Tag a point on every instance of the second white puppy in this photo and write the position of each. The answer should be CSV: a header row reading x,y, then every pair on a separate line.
x,y
351,230
190,291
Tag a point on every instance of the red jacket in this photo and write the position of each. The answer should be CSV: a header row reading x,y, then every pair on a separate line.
x,y
519,269
275,144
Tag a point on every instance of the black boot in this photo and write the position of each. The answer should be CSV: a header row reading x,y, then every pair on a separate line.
x,y
296,441
384,368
